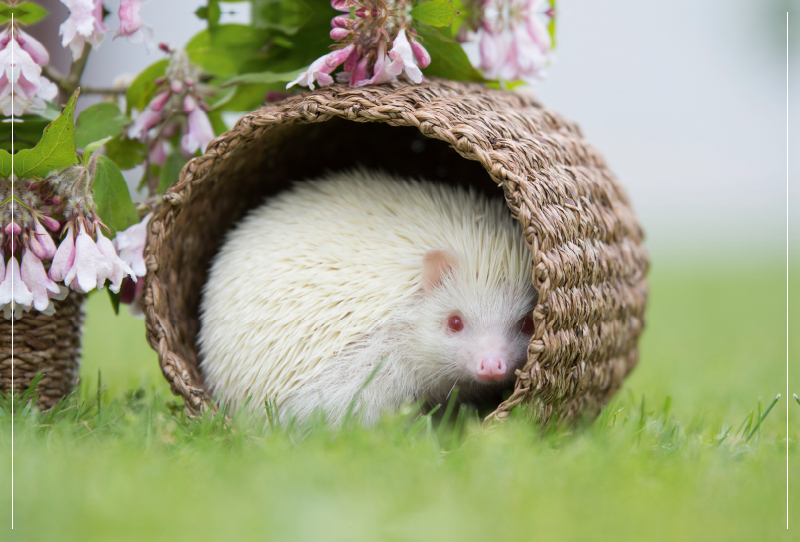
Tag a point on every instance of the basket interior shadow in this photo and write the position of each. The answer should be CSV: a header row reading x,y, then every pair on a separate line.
x,y
589,264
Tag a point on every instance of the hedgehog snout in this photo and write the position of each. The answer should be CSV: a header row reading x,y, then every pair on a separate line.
x,y
492,369
492,360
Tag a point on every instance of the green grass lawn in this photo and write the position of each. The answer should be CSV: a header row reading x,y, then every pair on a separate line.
x,y
651,468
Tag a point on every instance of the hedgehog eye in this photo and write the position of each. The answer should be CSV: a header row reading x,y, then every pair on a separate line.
x,y
526,325
455,324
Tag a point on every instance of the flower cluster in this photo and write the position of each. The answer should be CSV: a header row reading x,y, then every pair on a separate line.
x,y
508,40
85,24
377,45
178,104
22,87
84,259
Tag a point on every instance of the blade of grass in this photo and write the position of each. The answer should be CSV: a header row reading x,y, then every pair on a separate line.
x,y
352,406
763,416
447,413
749,421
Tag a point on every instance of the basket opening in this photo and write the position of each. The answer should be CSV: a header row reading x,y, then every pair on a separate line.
x,y
252,172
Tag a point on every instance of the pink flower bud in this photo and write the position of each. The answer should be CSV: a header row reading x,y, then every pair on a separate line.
x,y
41,243
51,223
146,120
339,33
164,47
13,229
158,101
189,103
176,87
421,54
340,21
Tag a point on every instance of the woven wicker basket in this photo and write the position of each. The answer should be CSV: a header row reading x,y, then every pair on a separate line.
x,y
589,263
50,345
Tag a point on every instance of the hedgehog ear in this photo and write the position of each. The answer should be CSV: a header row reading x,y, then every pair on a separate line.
x,y
435,264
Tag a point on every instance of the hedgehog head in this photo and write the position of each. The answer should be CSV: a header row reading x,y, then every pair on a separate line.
x,y
473,324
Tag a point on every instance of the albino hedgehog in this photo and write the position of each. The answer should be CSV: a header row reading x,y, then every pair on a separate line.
x,y
324,281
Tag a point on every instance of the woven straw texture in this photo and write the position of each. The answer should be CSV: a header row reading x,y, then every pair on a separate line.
x,y
589,264
50,345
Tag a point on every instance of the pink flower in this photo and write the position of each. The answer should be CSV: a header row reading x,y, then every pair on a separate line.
x,y
512,41
198,133
421,54
144,121
131,25
118,268
14,294
41,243
90,268
321,68
158,152
402,52
22,87
36,280
64,257
130,244
85,24
158,101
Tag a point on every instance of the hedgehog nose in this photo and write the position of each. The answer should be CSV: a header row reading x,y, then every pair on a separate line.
x,y
492,369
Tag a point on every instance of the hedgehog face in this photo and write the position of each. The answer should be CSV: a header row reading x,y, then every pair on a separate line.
x,y
472,332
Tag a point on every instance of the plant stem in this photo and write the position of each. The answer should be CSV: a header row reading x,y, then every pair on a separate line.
x,y
67,84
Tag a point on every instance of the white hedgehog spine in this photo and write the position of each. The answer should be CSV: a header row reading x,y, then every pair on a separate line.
x,y
325,280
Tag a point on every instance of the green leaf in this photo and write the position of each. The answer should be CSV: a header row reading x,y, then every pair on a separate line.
x,y
112,197
449,59
25,13
435,13
99,121
126,153
250,97
171,170
143,87
286,16
218,96
263,78
225,50
211,13
51,111
114,300
5,164
56,149
26,133
93,146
